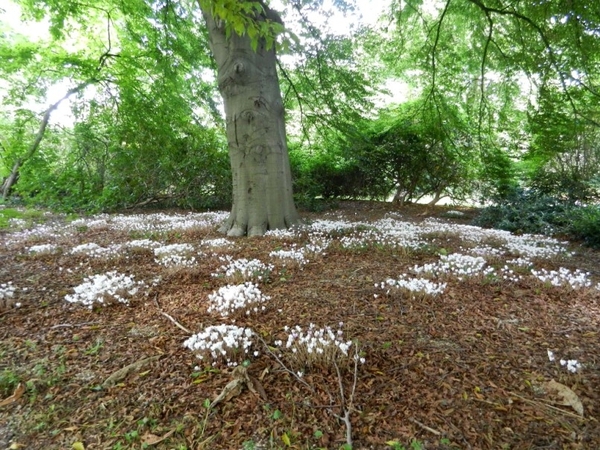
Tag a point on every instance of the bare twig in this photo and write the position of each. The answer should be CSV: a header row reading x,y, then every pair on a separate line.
x,y
70,325
345,409
283,366
177,324
553,408
425,427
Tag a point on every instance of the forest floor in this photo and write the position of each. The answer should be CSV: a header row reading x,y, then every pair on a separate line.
x,y
466,367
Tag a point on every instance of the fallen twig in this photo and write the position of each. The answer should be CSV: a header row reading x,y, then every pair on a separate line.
x,y
70,325
177,324
553,408
345,409
425,427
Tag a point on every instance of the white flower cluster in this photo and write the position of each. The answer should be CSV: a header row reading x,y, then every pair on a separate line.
x,y
486,250
293,254
331,226
232,297
162,222
317,245
520,262
534,246
175,255
244,269
420,285
218,242
40,232
562,277
509,274
455,264
96,251
17,223
7,290
222,342
148,244
281,234
43,249
105,288
572,364
314,346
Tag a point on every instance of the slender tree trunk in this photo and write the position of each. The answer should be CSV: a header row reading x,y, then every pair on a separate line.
x,y
262,182
12,178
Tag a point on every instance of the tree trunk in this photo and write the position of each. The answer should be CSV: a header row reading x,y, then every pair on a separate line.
x,y
262,182
14,173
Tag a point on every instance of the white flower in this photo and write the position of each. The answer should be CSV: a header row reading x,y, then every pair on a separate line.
x,y
550,355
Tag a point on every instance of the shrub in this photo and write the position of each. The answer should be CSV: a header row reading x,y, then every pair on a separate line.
x,y
527,211
586,225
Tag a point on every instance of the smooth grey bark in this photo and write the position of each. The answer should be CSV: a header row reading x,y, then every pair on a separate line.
x,y
255,126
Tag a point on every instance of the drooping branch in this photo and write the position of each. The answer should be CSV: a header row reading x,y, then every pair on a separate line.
x,y
552,56
298,97
482,75
438,33
14,174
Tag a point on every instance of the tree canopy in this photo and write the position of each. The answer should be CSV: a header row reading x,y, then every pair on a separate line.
x,y
482,95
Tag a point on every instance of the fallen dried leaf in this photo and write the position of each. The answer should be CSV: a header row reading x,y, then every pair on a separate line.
x,y
123,372
234,387
152,439
569,398
16,395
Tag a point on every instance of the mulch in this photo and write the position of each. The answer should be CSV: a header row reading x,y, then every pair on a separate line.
x,y
465,370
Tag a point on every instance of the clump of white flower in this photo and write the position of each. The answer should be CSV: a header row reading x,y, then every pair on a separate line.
x,y
175,255
43,249
228,343
293,255
414,285
94,250
281,234
7,290
455,264
315,346
509,274
244,270
233,297
218,242
564,277
111,287
17,223
317,246
455,213
572,364
148,244
520,262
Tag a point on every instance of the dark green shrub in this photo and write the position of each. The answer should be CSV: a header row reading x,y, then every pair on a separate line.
x,y
586,225
527,211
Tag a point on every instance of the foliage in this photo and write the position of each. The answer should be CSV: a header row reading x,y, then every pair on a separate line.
x,y
586,225
564,154
527,211
324,176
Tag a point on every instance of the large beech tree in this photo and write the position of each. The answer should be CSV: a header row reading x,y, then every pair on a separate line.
x,y
242,38
254,115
